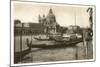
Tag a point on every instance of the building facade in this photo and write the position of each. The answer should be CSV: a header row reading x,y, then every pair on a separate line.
x,y
50,22
46,25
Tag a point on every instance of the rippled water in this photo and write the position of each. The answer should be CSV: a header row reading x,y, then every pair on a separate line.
x,y
50,54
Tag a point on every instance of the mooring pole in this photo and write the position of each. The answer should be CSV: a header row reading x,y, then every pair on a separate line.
x,y
85,43
31,46
76,54
21,43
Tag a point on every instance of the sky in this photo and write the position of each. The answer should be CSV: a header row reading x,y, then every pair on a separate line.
x,y
65,14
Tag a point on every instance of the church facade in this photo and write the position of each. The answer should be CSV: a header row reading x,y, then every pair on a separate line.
x,y
49,22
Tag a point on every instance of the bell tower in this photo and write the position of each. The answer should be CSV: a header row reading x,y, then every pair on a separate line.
x,y
39,19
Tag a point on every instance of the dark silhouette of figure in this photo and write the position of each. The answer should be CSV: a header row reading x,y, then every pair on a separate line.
x,y
90,10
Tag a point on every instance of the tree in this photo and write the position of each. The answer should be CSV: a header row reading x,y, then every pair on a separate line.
x,y
17,21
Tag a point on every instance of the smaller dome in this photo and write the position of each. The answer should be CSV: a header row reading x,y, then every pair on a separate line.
x,y
44,18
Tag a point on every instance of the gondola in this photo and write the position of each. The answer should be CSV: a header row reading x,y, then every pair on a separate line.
x,y
55,44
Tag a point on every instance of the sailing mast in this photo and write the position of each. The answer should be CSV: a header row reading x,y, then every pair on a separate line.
x,y
75,19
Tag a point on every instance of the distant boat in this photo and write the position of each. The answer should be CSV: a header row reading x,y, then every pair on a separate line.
x,y
67,38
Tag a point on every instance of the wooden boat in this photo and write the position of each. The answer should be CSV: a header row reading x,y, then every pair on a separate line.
x,y
42,39
61,39
55,44
67,38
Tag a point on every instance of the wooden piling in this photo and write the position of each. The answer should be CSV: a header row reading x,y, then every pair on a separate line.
x,y
21,43
85,44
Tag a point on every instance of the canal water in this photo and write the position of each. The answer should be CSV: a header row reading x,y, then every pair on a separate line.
x,y
49,54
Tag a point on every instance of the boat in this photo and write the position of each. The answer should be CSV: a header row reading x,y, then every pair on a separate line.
x,y
67,38
62,38
43,38
54,44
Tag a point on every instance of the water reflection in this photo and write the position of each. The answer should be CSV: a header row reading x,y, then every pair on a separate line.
x,y
47,54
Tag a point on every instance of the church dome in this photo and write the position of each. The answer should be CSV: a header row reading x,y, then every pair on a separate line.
x,y
51,16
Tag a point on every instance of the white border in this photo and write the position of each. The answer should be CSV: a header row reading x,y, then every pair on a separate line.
x,y
56,62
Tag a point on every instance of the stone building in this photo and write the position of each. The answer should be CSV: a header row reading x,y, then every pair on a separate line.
x,y
49,21
47,25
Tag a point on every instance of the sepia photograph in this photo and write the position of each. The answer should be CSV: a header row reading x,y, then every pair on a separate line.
x,y
44,33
